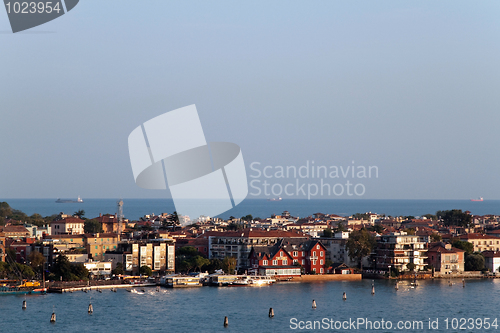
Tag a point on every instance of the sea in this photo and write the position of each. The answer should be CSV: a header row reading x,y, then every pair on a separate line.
x,y
432,306
133,209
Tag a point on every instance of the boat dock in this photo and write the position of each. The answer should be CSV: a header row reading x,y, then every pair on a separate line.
x,y
61,290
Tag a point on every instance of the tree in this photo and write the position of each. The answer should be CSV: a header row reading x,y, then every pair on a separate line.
x,y
229,264
199,262
411,266
92,227
328,233
455,217
474,262
360,244
409,231
376,228
463,245
80,213
215,264
118,270
247,218
145,270
36,261
435,237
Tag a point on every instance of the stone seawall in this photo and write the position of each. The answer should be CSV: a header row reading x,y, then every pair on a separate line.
x,y
327,277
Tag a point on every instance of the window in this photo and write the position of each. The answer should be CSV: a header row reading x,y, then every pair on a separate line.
x,y
275,262
321,270
285,262
321,262
264,262
303,262
314,253
317,246
303,253
96,247
295,253
320,253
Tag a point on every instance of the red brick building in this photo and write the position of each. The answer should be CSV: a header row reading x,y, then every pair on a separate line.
x,y
289,254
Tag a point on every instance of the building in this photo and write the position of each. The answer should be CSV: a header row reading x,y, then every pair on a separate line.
x,y
2,246
98,268
109,223
310,254
15,231
97,244
157,254
398,250
445,258
68,225
482,242
492,260
238,244
272,261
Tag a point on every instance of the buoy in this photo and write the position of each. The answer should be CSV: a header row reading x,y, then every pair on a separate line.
x,y
373,289
314,304
397,287
100,291
226,322
450,284
463,283
344,297
271,312
53,317
91,309
24,305
158,289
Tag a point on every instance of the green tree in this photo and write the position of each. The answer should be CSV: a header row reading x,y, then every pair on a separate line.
x,y
247,218
118,270
198,262
37,220
455,217
229,265
411,266
79,271
409,231
328,233
360,244
5,210
145,270
463,245
435,237
36,261
474,262
80,213
376,228
215,264
62,268
92,227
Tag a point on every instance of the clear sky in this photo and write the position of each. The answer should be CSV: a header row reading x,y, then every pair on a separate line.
x,y
411,87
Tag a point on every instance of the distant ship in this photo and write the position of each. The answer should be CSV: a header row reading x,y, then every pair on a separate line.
x,y
480,199
79,200
275,199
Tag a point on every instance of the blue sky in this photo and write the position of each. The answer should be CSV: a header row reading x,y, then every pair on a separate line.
x,y
410,87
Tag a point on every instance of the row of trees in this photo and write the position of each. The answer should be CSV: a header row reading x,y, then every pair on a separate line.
x,y
188,259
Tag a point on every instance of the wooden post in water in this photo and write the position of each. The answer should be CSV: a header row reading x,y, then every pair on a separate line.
x,y
396,287
373,289
344,296
463,283
314,304
53,317
271,312
91,309
24,305
226,322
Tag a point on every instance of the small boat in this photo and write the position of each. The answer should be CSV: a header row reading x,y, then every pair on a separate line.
x,y
275,199
480,199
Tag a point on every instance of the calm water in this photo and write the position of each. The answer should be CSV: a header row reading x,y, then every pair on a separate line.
x,y
135,208
203,309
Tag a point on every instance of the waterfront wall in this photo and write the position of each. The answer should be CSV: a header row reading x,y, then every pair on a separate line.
x,y
327,277
471,274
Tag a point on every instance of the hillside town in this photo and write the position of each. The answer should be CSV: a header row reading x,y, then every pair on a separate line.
x,y
448,244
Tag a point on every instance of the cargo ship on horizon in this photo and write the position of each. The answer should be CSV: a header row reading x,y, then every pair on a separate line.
x,y
79,200
480,199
